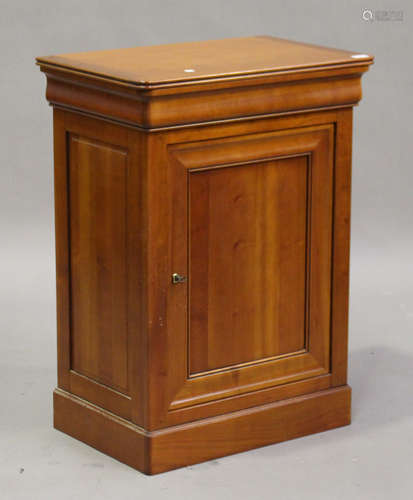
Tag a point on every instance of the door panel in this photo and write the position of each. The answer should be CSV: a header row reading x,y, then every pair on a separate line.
x,y
247,263
97,204
251,227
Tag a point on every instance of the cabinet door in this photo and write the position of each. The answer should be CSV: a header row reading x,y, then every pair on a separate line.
x,y
253,222
252,233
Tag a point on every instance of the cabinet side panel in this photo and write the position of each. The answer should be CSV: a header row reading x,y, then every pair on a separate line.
x,y
98,260
100,214
341,247
62,250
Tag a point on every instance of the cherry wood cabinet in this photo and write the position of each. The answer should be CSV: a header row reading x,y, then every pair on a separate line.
x,y
202,196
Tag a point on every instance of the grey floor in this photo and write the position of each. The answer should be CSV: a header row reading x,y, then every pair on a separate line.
x,y
371,459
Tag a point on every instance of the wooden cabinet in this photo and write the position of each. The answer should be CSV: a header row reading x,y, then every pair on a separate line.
x,y
202,196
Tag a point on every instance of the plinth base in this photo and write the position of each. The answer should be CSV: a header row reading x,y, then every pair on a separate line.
x,y
194,442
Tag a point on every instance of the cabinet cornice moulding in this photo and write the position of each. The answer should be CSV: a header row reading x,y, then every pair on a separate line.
x,y
152,110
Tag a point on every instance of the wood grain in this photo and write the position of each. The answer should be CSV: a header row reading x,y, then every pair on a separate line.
x,y
153,112
208,59
104,369
247,265
236,176
217,334
160,451
247,429
98,249
231,79
98,428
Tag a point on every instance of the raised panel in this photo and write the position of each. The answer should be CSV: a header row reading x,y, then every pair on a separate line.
x,y
257,215
247,262
97,185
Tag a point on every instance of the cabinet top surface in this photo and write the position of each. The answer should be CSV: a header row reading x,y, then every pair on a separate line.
x,y
183,63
